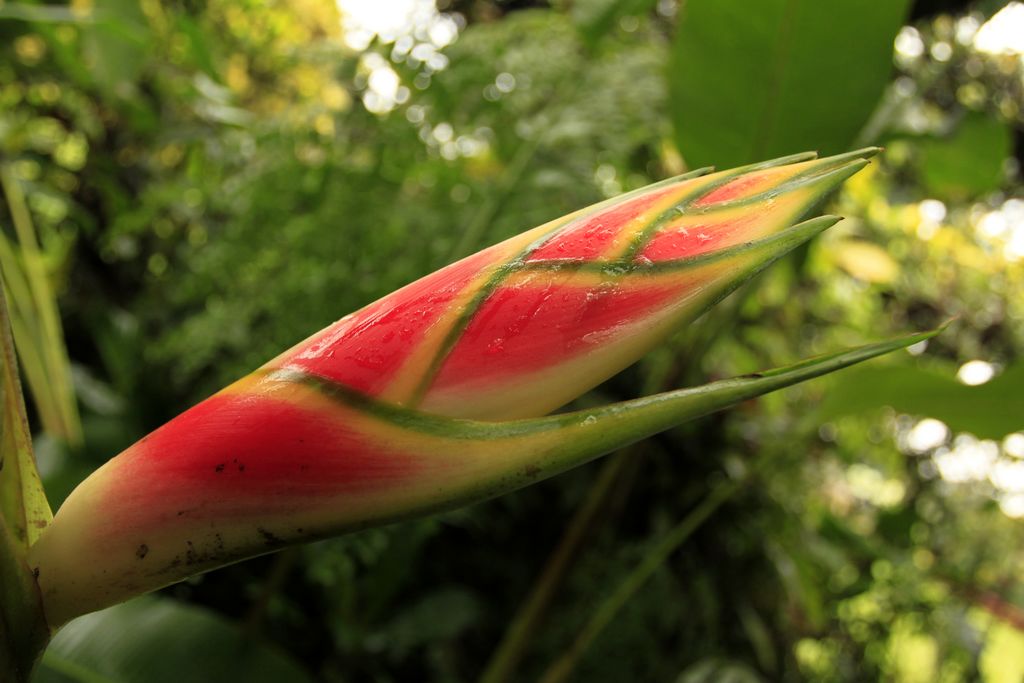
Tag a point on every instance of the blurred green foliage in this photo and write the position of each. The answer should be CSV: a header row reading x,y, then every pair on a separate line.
x,y
210,182
746,84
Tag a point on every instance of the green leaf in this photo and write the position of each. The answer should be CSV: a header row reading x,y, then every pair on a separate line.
x,y
989,411
35,320
24,513
23,11
154,640
23,503
752,80
117,46
969,162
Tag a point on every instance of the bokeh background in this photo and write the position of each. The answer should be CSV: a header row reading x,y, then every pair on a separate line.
x,y
189,187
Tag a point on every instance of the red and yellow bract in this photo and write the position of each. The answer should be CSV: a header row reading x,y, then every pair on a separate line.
x,y
417,402
527,325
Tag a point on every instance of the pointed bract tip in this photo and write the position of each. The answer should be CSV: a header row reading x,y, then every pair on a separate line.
x,y
916,337
861,154
776,244
697,172
834,171
867,152
800,233
781,161
821,223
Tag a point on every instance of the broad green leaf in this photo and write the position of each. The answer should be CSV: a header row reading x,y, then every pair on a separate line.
x,y
117,45
989,411
154,640
754,79
969,162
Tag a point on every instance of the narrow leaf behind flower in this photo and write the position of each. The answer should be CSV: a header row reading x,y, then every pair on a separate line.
x,y
35,320
24,513
23,503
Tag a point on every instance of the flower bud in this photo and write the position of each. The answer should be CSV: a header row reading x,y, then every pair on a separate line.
x,y
417,402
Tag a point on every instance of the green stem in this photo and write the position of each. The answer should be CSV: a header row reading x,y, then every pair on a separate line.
x,y
502,664
504,660
563,667
23,630
24,513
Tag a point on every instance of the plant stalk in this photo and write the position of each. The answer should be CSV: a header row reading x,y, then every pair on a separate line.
x,y
563,667
513,645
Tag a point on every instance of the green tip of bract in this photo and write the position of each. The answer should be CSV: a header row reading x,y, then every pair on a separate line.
x,y
434,396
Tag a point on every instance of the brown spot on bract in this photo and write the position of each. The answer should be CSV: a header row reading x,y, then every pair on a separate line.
x,y
142,551
268,536
219,468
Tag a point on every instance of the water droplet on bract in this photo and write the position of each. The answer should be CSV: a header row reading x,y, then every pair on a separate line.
x,y
589,420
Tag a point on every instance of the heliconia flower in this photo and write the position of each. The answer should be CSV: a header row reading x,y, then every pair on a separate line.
x,y
429,398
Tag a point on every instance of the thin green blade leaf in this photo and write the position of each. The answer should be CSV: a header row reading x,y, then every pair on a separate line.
x,y
35,320
23,503
24,513
580,436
